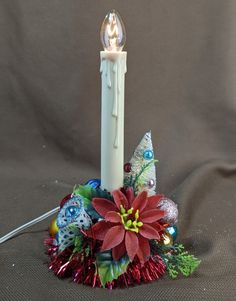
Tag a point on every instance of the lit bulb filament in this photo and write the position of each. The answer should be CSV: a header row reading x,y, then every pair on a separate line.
x,y
112,30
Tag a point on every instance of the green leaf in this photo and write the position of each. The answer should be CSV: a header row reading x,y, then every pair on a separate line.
x,y
109,269
88,193
78,243
83,190
139,179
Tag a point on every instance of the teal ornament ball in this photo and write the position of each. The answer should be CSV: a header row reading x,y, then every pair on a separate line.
x,y
172,231
148,154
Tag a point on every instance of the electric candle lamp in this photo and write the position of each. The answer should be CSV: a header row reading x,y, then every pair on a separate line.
x,y
113,69
125,235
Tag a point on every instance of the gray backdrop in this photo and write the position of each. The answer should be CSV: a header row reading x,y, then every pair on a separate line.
x,y
180,84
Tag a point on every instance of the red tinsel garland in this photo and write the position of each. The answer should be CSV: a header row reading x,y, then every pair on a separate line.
x,y
83,270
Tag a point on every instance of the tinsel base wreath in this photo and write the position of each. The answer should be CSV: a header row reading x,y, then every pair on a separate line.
x,y
122,238
82,268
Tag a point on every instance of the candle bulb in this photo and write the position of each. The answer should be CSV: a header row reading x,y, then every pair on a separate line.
x,y
112,32
113,69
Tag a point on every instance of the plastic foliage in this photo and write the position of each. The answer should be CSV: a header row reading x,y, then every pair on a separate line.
x,y
109,269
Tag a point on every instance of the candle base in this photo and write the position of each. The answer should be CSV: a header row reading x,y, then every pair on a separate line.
x,y
120,238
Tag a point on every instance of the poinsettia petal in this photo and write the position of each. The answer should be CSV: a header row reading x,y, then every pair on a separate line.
x,y
99,230
102,206
131,244
130,195
119,251
151,216
140,201
144,249
120,199
157,226
113,237
153,201
113,217
149,232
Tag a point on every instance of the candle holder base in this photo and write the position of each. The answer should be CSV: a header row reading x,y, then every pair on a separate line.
x,y
119,238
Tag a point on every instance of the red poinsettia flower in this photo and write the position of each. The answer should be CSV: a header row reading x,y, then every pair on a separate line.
x,y
129,222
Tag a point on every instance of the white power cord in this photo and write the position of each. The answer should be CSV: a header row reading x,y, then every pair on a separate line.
x,y
27,225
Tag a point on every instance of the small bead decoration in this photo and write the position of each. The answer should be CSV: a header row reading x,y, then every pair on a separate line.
x,y
151,183
127,167
148,154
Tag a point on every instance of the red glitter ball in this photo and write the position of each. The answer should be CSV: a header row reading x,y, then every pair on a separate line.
x,y
127,167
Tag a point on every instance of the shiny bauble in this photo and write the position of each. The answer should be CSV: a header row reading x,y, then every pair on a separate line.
x,y
167,239
93,183
151,183
148,154
127,167
172,230
53,229
171,211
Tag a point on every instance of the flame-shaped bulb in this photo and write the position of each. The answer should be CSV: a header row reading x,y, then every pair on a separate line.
x,y
112,33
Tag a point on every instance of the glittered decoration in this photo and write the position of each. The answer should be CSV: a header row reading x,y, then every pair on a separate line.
x,y
71,218
142,176
171,210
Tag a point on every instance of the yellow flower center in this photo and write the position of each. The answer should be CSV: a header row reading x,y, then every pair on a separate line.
x,y
129,224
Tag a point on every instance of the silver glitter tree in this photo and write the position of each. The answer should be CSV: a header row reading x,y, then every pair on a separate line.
x,y
140,172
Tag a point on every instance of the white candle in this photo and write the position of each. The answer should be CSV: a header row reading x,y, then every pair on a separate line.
x,y
113,69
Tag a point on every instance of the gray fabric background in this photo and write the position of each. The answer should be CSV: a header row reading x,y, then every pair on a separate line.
x,y
181,84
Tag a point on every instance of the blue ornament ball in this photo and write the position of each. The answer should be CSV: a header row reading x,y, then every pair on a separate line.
x,y
172,231
148,154
72,211
94,183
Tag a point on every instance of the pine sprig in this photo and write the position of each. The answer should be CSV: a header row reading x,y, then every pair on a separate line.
x,y
177,260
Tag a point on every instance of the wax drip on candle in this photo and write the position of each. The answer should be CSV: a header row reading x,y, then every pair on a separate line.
x,y
118,69
108,73
115,109
116,91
